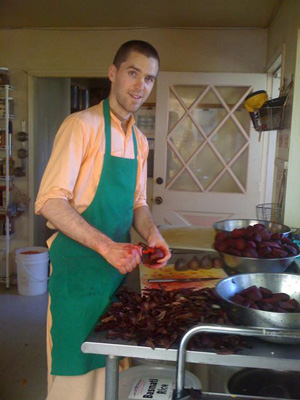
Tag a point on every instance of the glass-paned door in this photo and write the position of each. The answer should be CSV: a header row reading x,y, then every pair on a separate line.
x,y
206,153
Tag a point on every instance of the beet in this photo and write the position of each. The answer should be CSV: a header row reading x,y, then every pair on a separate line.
x,y
286,306
294,303
221,236
259,227
276,236
269,244
265,234
251,253
180,265
279,253
238,233
160,318
257,237
194,264
281,296
252,293
240,244
263,299
217,262
265,292
250,244
206,262
155,256
290,249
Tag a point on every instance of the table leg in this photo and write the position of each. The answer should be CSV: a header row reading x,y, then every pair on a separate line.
x,y
112,378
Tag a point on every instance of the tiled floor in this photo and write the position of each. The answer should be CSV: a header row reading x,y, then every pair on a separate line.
x,y
22,345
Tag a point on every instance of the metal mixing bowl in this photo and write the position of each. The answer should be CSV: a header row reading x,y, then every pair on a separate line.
x,y
242,265
229,225
277,283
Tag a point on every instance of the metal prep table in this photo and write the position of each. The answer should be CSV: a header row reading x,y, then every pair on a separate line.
x,y
261,354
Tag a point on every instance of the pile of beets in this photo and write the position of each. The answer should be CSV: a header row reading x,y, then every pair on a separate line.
x,y
255,241
261,298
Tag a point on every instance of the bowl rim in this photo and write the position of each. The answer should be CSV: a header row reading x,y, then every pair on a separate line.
x,y
258,259
251,219
249,308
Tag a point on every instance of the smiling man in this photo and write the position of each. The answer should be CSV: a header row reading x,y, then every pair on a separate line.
x,y
92,192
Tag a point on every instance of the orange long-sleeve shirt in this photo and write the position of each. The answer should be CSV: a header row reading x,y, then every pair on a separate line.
x,y
75,165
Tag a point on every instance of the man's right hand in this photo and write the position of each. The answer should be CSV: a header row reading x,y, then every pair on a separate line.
x,y
125,257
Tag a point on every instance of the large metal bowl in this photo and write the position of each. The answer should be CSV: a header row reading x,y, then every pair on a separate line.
x,y
277,283
243,265
229,225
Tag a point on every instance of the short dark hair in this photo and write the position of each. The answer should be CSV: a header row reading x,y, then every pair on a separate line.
x,y
139,46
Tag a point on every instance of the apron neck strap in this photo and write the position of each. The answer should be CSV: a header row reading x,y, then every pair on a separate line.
x,y
106,112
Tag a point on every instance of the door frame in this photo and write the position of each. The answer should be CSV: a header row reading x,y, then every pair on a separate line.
x,y
45,73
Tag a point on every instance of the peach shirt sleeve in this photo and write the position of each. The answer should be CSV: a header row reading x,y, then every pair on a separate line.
x,y
75,165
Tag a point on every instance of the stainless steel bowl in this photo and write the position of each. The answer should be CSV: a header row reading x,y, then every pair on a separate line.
x,y
277,283
229,225
242,265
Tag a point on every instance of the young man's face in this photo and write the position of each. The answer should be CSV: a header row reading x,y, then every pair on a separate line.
x,y
131,83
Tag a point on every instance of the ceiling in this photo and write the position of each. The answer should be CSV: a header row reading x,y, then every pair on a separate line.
x,y
137,13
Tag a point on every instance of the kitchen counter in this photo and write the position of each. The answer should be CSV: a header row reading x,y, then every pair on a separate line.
x,y
261,354
188,237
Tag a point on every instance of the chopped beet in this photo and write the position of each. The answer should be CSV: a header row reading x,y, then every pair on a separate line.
x,y
238,233
264,299
281,296
294,303
237,299
251,253
161,318
286,306
265,292
252,293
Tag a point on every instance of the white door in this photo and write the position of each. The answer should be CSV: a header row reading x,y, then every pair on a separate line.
x,y
207,157
50,106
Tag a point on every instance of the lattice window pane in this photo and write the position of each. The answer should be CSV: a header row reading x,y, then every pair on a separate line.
x,y
185,182
206,166
186,138
228,140
189,94
226,185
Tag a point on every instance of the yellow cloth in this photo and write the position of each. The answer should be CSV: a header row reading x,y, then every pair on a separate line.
x,y
90,386
75,165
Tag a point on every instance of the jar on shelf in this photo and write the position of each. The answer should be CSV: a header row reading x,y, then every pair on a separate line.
x,y
4,77
11,166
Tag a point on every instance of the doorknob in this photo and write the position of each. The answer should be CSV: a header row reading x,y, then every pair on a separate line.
x,y
158,200
159,180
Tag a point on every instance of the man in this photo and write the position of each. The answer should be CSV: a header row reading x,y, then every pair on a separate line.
x,y
92,191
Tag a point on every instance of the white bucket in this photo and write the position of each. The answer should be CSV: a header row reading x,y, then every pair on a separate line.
x,y
128,377
32,271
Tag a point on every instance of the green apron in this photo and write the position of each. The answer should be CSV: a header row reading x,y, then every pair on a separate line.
x,y
82,282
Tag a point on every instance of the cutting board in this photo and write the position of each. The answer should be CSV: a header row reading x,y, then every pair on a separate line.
x,y
211,275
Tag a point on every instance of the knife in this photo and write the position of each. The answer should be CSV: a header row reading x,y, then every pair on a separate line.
x,y
180,280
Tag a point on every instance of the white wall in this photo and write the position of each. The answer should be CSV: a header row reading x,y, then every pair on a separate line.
x,y
284,31
74,53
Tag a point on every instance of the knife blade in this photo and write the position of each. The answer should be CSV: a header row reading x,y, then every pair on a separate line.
x,y
180,280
